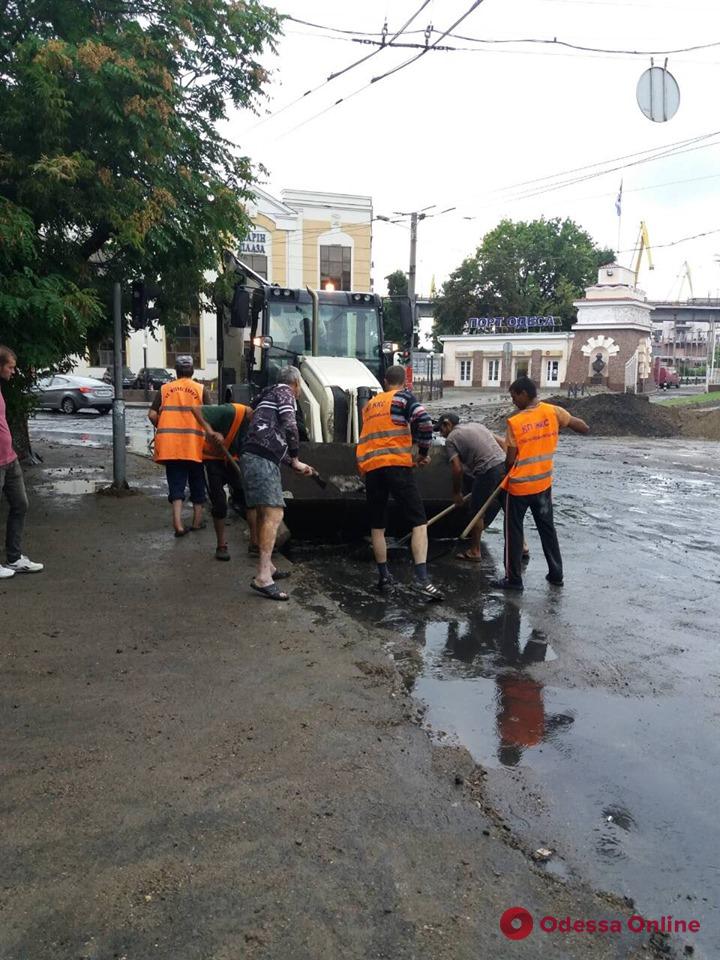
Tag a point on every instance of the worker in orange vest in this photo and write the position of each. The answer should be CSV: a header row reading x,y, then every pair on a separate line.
x,y
532,438
225,426
179,441
385,460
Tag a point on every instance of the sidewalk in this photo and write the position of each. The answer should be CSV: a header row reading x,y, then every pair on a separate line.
x,y
191,772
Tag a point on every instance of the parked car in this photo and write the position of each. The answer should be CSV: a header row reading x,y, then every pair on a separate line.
x,y
61,391
156,377
128,377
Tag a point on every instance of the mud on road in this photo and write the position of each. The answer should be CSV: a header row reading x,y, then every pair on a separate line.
x,y
191,772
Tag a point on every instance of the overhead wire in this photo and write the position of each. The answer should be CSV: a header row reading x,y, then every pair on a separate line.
x,y
388,73
351,66
360,34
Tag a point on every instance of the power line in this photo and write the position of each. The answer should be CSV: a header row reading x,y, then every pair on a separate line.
x,y
359,36
674,243
351,66
388,73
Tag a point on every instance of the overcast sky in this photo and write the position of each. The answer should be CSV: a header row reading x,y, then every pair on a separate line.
x,y
462,129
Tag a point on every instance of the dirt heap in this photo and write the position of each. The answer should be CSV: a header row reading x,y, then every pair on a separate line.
x,y
704,424
612,415
622,415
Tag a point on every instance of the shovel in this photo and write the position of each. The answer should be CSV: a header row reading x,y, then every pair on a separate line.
x,y
432,520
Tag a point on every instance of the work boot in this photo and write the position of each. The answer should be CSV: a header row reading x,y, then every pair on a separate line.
x,y
505,584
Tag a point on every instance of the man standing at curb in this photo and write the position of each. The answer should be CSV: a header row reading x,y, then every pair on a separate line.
x,y
391,420
225,425
532,438
272,439
12,485
179,442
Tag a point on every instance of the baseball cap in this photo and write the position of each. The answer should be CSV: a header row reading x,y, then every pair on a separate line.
x,y
452,418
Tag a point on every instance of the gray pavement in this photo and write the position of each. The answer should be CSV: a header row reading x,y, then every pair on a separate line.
x,y
191,772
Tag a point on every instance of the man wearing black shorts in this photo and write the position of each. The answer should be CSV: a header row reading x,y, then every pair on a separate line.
x,y
391,421
225,425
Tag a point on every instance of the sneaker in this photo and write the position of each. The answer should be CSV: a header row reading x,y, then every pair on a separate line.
x,y
430,592
222,553
6,572
25,565
555,583
505,584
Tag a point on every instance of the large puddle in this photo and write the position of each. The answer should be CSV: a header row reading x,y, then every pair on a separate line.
x,y
594,707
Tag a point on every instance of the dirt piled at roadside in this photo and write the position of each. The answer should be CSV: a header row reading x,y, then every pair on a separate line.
x,y
628,415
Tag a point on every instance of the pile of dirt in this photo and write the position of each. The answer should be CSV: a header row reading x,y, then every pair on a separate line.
x,y
703,424
611,415
622,415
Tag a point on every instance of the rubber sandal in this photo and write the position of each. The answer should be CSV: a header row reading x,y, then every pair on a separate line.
x,y
183,532
429,591
271,591
282,574
202,526
505,584
468,556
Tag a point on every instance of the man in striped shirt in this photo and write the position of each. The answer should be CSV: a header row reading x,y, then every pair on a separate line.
x,y
392,420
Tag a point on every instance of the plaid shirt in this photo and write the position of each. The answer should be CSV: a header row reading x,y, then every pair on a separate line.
x,y
405,408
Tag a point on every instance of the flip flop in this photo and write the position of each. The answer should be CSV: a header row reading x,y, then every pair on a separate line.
x,y
271,591
282,574
468,556
181,533
202,526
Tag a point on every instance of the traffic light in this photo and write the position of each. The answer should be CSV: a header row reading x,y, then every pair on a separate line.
x,y
143,310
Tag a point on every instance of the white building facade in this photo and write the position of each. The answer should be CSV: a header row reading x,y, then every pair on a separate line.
x,y
491,361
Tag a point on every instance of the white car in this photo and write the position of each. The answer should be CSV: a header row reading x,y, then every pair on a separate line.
x,y
69,394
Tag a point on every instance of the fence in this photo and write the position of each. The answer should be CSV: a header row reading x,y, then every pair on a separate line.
x,y
428,375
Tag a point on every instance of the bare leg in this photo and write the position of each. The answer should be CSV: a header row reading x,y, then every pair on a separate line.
x,y
177,515
197,515
379,545
475,537
268,522
419,544
252,522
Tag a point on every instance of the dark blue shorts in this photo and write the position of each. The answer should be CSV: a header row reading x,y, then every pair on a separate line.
x,y
182,474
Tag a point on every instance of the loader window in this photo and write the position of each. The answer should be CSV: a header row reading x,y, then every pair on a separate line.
x,y
350,332
290,326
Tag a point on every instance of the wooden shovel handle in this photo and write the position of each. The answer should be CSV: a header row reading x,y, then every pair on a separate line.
x,y
481,512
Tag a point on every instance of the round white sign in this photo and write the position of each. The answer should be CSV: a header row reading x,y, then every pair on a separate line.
x,y
658,94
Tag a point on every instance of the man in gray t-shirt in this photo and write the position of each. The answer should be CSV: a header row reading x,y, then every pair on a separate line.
x,y
477,460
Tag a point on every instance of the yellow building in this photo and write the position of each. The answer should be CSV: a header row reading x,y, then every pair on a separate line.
x,y
319,240
311,239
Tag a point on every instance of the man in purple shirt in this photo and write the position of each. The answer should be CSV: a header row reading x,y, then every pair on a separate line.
x,y
12,485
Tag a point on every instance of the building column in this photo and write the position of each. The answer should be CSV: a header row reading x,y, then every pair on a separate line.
x,y
477,368
535,369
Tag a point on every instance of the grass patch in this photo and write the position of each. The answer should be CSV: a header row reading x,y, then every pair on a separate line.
x,y
696,400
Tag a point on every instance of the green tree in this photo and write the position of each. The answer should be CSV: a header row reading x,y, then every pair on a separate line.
x,y
521,269
111,161
397,284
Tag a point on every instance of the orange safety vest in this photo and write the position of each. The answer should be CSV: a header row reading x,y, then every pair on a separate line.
x,y
179,436
210,450
383,443
536,436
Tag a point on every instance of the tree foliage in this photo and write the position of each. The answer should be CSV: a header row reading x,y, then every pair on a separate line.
x,y
112,164
397,284
521,269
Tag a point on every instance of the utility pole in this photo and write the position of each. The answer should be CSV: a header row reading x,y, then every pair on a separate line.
x,y
412,270
118,412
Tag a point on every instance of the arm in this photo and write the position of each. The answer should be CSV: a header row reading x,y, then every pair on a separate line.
x,y
500,441
212,434
154,411
511,451
457,479
406,407
578,425
288,424
574,423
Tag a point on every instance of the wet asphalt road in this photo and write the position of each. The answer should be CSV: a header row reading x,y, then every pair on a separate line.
x,y
594,707
87,428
